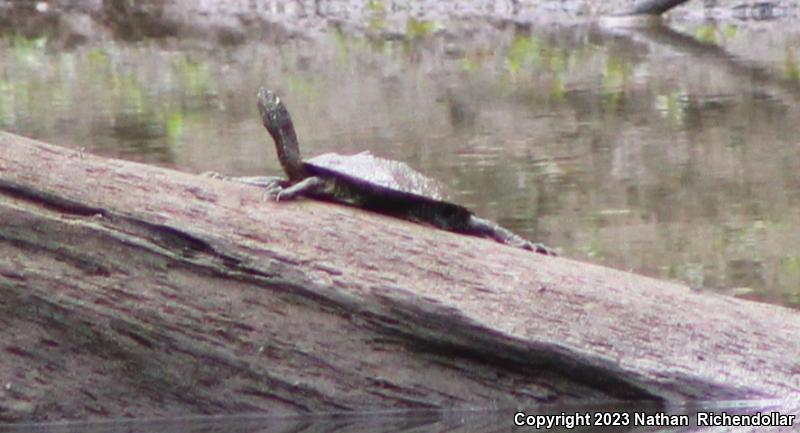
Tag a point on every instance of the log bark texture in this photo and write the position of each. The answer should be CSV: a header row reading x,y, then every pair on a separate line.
x,y
132,290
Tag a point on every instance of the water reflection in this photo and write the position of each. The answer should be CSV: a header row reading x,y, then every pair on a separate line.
x,y
657,151
630,417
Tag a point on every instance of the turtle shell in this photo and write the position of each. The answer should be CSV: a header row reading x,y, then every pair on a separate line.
x,y
369,170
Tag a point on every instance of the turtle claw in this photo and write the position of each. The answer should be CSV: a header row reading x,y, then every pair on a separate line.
x,y
283,195
268,195
273,194
543,249
305,186
536,248
271,191
214,175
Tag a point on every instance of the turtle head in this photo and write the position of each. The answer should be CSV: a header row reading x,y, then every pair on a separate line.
x,y
278,122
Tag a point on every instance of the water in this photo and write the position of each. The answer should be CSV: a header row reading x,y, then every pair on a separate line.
x,y
670,152
587,418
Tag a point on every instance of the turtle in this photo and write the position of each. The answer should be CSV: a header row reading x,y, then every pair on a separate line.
x,y
368,182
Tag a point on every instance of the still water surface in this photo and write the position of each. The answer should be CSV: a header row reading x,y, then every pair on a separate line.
x,y
671,152
633,417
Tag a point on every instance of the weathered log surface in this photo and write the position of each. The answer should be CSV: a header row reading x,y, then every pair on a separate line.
x,y
131,290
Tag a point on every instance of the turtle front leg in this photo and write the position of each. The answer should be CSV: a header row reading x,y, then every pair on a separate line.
x,y
272,185
306,186
489,229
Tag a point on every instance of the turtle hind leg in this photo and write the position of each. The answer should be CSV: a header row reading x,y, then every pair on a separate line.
x,y
489,229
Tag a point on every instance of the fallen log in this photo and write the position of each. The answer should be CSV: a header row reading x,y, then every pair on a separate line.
x,y
132,290
651,7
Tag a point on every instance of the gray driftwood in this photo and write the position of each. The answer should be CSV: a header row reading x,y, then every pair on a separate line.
x,y
131,290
